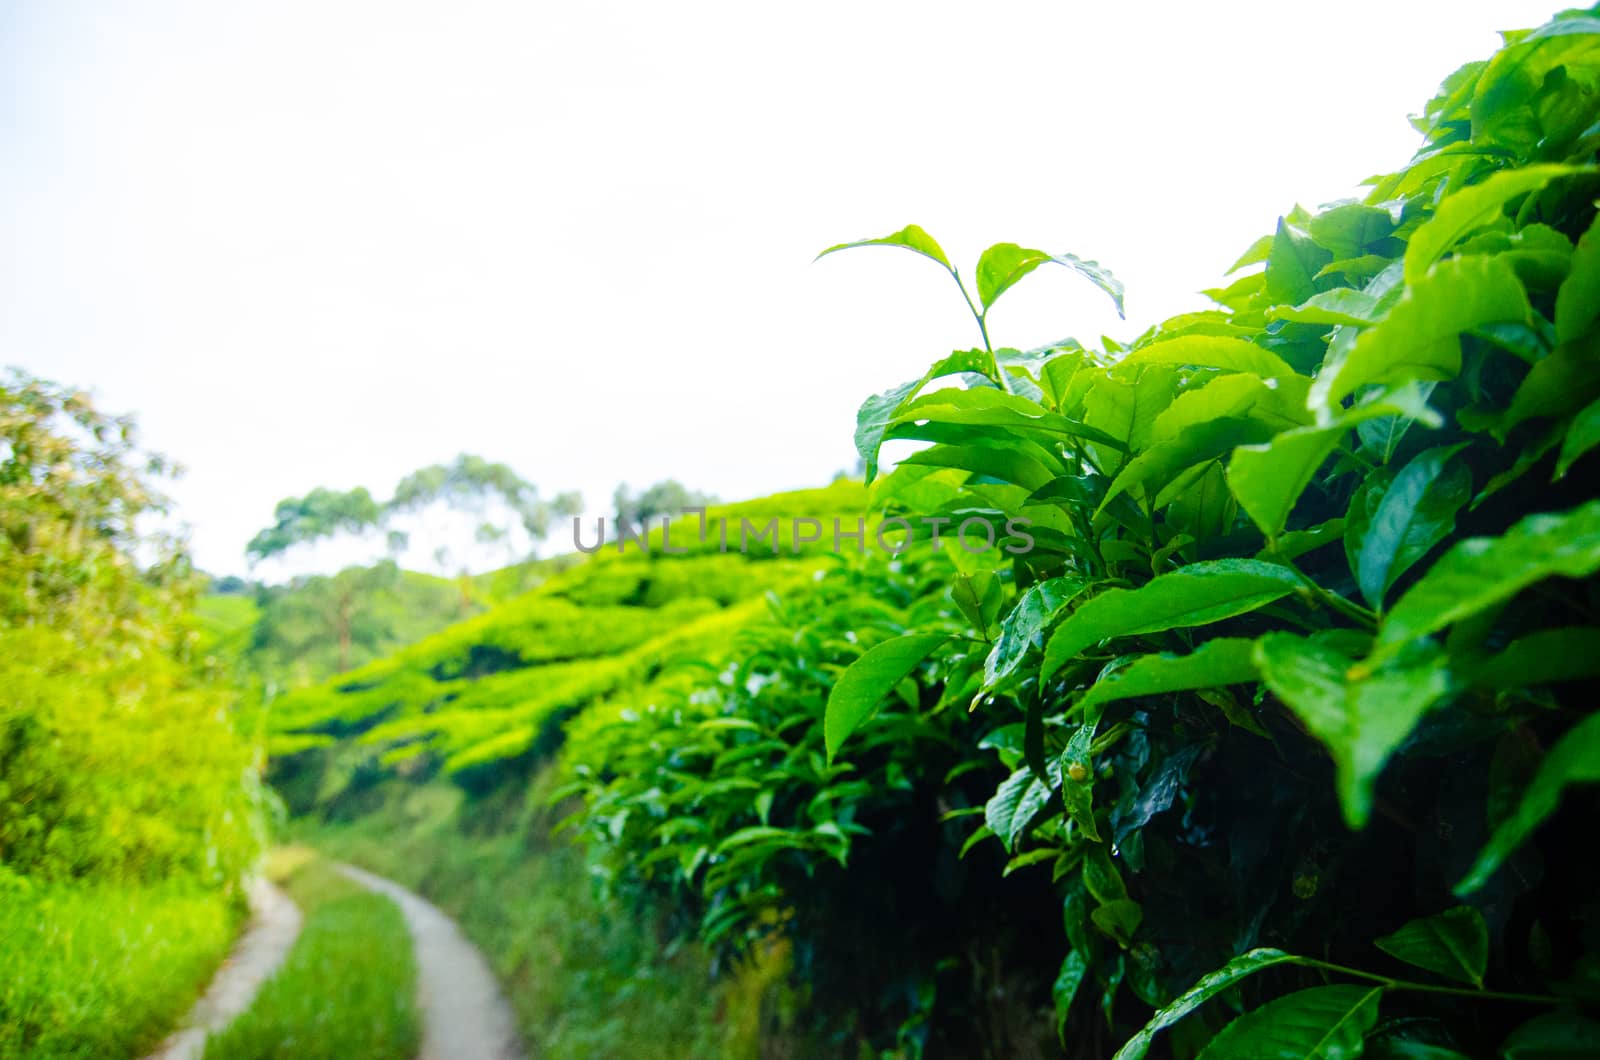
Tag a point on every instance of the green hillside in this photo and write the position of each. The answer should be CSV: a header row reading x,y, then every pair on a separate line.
x,y
477,698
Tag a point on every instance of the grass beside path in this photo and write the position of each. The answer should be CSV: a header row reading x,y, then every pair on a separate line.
x,y
103,971
346,990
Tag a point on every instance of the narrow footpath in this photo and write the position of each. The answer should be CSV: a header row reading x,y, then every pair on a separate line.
x,y
464,1015
274,925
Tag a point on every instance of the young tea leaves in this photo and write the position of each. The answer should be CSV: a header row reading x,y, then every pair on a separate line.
x,y
911,237
1003,264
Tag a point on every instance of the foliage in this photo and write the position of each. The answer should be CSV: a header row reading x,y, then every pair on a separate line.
x,y
369,612
95,970
486,697
1284,553
347,988
119,758
718,795
470,484
666,499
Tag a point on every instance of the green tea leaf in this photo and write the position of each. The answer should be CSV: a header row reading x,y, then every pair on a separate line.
x,y
878,411
1480,572
1003,264
1024,625
1419,339
1126,410
1212,351
1014,805
1578,300
1575,759
1209,986
911,237
1292,263
1322,1023
1074,967
1077,780
1361,719
1559,384
1550,655
1454,944
858,691
1001,464
1224,661
1342,305
1196,595
1582,435
1473,207
1415,513
1553,1036
1268,479
978,595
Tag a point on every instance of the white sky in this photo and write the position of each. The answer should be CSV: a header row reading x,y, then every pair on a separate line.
x,y
328,243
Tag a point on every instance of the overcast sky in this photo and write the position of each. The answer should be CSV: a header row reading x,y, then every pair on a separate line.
x,y
327,243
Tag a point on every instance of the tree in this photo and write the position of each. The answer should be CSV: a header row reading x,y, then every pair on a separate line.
x,y
295,618
322,513
495,496
119,758
666,498
501,501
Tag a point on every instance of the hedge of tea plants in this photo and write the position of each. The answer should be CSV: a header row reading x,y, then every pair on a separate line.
x,y
1290,707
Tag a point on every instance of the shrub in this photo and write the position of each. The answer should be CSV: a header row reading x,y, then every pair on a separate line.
x,y
1303,662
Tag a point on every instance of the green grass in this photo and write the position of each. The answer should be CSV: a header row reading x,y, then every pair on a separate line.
x,y
103,971
348,987
586,979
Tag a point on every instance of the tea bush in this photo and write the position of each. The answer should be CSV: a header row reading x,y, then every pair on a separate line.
x,y
1303,659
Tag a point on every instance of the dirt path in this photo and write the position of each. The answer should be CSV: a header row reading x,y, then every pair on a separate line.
x,y
464,1016
274,925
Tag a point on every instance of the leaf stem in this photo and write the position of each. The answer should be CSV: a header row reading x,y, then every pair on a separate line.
x,y
983,330
1331,599
1454,991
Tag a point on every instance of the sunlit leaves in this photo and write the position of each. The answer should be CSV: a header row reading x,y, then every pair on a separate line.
x,y
1212,351
1473,207
1419,338
1003,264
1578,300
911,237
1196,595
